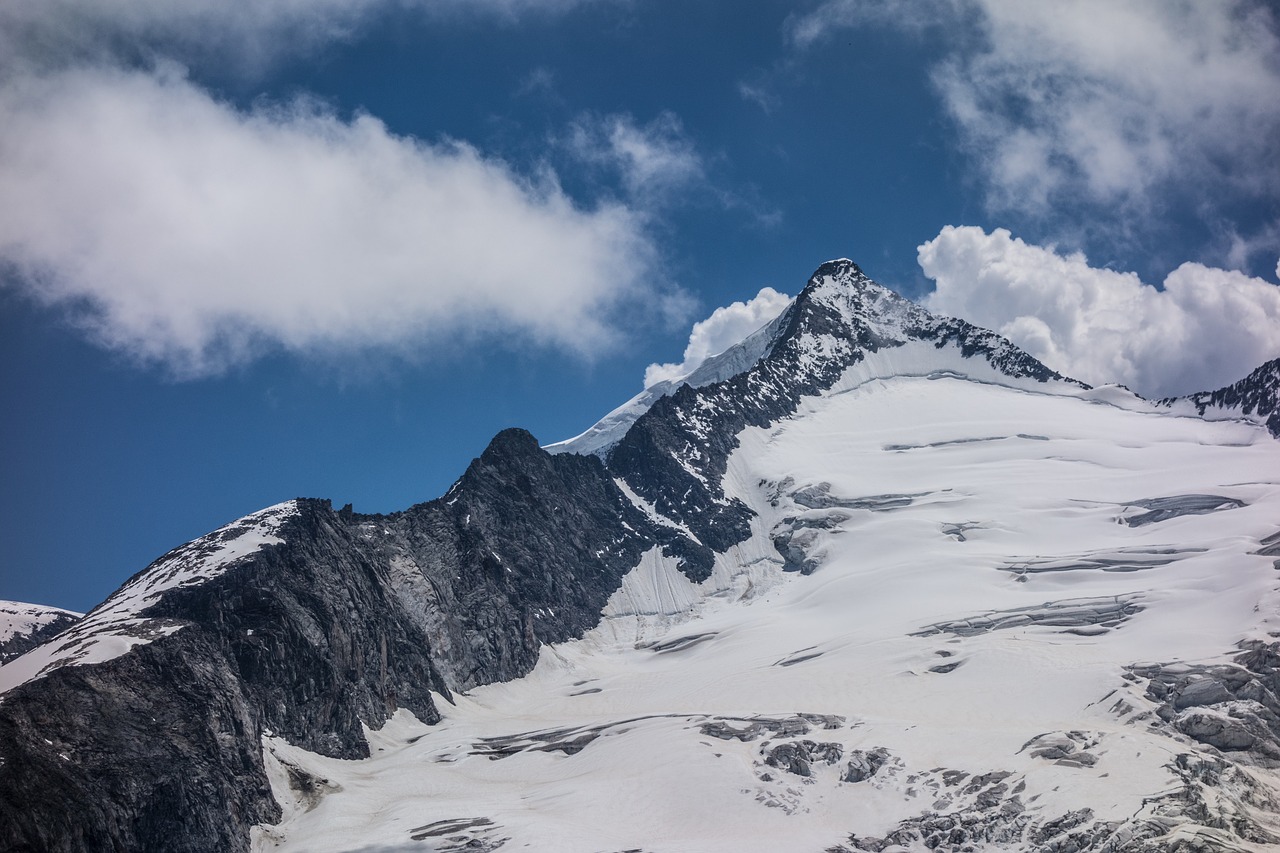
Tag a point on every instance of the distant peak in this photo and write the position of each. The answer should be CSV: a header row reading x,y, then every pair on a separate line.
x,y
841,280
838,268
511,441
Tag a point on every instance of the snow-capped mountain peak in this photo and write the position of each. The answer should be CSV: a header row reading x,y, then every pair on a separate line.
x,y
840,316
601,437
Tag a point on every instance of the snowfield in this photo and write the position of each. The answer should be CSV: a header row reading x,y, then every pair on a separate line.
x,y
981,560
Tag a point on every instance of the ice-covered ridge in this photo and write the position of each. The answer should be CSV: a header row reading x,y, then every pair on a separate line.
x,y
600,438
119,623
907,686
1256,398
25,626
17,617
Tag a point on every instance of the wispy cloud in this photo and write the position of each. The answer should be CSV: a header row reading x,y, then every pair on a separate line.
x,y
655,162
183,232
1203,329
758,94
52,32
828,17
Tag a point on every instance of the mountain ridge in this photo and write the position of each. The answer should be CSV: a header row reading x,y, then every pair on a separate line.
x,y
316,626
1257,395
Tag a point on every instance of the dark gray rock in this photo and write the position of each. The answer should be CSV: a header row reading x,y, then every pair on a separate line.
x,y
797,757
695,430
353,616
863,764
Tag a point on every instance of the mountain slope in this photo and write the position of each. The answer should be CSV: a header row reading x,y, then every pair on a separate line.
x,y
1257,395
1036,618
882,580
605,434
25,626
842,328
140,728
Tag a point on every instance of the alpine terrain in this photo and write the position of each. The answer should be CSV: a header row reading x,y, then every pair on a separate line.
x,y
871,580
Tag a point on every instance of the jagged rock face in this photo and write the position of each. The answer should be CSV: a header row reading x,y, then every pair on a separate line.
x,y
1258,394
675,454
524,550
336,624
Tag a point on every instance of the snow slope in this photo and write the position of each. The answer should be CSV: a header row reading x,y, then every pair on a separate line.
x,y
600,438
25,626
19,618
983,562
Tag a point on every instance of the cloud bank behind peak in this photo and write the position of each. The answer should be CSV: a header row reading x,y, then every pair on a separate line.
x,y
1204,329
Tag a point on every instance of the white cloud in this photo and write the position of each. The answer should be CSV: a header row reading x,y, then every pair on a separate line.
x,y
185,233
1103,102
758,95
725,327
1206,328
653,161
817,24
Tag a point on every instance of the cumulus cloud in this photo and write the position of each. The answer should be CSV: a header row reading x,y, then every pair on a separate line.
x,y
1203,329
725,327
1097,101
183,232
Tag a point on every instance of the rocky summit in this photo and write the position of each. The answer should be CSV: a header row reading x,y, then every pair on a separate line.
x,y
871,580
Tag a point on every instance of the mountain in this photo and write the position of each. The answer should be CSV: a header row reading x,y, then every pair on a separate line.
x,y
605,434
25,626
1257,396
874,580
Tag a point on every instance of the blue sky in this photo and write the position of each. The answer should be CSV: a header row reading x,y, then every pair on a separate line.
x,y
255,251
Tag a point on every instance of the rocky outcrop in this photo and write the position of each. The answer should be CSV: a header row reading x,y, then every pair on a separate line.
x,y
1232,707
